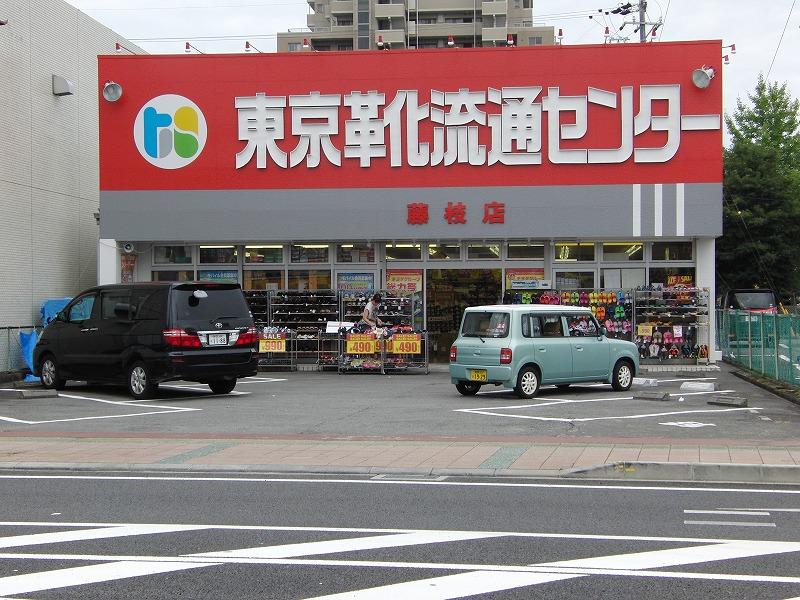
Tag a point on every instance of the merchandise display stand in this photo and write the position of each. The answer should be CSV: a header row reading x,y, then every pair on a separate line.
x,y
277,349
613,309
360,353
258,303
406,353
305,311
394,309
672,325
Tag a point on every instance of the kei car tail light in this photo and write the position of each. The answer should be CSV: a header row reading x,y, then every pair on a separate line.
x,y
180,338
248,337
453,354
505,356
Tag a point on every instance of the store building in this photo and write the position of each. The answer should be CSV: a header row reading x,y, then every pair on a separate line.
x,y
464,174
49,167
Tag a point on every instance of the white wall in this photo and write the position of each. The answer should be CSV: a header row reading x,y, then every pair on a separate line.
x,y
49,171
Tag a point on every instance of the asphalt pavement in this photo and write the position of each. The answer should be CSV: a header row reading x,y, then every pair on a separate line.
x,y
325,422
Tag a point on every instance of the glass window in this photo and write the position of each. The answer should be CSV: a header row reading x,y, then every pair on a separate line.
x,y
310,280
218,254
403,252
485,324
172,255
293,46
572,280
444,251
172,275
622,278
531,326
262,280
622,251
355,253
672,250
310,253
483,251
582,325
108,300
552,326
219,275
263,254
149,303
82,309
672,276
574,251
529,251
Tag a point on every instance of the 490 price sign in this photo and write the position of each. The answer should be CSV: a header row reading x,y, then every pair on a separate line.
x,y
361,343
405,343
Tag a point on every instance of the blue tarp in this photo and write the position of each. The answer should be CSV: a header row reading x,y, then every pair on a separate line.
x,y
28,342
51,307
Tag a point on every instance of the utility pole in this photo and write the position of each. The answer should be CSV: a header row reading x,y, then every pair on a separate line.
x,y
642,27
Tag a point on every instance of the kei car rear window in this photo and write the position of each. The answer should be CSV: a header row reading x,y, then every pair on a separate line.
x,y
216,303
486,324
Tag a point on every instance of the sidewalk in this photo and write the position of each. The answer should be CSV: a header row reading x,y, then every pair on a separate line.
x,y
717,460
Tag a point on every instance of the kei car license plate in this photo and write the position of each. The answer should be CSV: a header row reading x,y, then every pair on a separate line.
x,y
217,339
478,375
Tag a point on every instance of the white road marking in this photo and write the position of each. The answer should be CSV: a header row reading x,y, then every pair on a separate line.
x,y
588,419
61,578
730,523
789,510
286,480
746,513
688,424
36,539
351,544
687,379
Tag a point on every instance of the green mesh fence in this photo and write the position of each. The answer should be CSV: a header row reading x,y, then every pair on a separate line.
x,y
763,342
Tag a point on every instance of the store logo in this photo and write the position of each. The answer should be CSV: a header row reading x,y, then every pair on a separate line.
x,y
170,131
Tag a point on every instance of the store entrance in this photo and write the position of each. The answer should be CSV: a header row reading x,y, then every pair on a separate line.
x,y
448,293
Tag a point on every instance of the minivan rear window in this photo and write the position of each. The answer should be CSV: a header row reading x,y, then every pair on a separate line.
x,y
218,302
486,324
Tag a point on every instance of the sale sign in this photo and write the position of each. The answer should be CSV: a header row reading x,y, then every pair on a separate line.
x,y
404,282
361,343
405,343
272,342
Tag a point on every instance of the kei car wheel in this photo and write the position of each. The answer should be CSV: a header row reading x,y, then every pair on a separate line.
x,y
50,374
222,386
140,386
468,388
623,376
527,382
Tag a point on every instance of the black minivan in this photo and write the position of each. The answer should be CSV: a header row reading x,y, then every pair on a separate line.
x,y
147,333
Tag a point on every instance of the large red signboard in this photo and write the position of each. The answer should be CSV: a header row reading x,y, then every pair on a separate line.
x,y
559,115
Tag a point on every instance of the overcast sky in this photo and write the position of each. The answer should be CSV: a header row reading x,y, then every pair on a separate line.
x,y
755,26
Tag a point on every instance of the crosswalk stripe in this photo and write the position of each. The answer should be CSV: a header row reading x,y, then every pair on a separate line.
x,y
61,578
351,544
55,537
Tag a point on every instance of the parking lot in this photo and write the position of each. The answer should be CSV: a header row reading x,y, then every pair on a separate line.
x,y
409,406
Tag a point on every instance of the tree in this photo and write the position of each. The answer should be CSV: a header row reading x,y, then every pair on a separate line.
x,y
761,193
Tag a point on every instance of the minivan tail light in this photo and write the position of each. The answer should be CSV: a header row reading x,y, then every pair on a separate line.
x,y
453,354
505,356
180,338
248,337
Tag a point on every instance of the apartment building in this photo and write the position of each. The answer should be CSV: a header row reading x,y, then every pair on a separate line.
x,y
384,24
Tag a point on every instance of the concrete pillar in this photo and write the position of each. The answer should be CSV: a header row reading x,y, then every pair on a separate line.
x,y
108,267
706,278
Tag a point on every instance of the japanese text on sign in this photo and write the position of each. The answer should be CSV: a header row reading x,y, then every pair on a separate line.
x,y
405,343
514,119
359,343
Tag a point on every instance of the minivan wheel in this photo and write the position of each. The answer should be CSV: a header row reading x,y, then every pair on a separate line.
x,y
139,384
50,375
623,376
222,386
527,383
468,388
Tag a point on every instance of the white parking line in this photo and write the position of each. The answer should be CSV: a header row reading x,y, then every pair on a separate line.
x,y
730,523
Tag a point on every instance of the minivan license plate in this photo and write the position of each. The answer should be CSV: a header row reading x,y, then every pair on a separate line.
x,y
217,339
478,375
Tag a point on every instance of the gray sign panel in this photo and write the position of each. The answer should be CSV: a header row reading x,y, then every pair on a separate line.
x,y
547,212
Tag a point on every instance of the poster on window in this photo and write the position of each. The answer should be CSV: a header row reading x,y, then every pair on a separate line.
x,y
355,282
404,282
219,275
680,280
525,279
127,265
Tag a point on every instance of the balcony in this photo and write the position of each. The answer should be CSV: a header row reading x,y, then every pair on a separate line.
x,y
341,7
445,29
392,36
385,11
439,6
499,7
494,34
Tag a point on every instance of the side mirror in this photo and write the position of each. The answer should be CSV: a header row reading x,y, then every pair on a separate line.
x,y
122,310
603,331
62,316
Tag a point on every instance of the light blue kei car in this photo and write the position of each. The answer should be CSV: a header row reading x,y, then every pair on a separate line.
x,y
524,346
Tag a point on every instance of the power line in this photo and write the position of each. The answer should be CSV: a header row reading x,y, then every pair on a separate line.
x,y
789,16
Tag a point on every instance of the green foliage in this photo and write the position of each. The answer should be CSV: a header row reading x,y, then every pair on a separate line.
x,y
761,213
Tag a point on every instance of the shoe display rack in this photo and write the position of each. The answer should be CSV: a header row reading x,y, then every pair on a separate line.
x,y
671,325
613,309
258,302
399,352
394,310
307,313
277,349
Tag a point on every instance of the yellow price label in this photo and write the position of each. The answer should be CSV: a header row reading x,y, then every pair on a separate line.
x,y
272,345
405,343
359,343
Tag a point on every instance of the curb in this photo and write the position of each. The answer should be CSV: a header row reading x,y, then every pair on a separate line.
x,y
778,390
655,471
